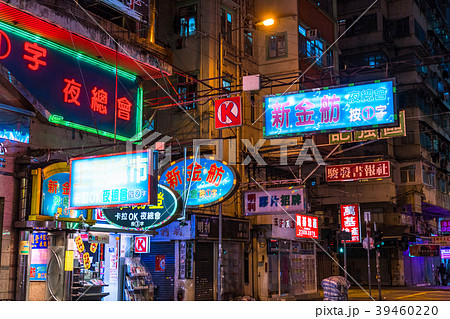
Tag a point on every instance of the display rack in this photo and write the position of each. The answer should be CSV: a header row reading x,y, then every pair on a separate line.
x,y
138,284
85,287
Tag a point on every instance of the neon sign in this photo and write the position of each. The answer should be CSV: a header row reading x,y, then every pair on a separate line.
x,y
212,181
330,109
350,222
146,217
79,90
110,180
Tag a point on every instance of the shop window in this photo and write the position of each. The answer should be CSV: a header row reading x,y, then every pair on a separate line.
x,y
226,24
408,174
187,21
248,42
428,176
276,46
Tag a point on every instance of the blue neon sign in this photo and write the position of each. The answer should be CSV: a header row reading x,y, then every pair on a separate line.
x,y
359,106
212,181
110,180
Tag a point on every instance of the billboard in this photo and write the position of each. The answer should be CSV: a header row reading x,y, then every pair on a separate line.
x,y
71,88
206,182
274,201
306,226
362,106
353,172
350,222
111,180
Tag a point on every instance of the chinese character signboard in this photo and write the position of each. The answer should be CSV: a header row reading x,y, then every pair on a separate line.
x,y
207,181
38,267
228,112
445,253
358,136
306,226
366,105
424,250
350,222
145,217
136,9
274,201
71,88
353,172
445,226
441,240
111,180
207,227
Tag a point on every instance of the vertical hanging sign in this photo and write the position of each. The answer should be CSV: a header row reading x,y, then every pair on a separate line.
x,y
350,222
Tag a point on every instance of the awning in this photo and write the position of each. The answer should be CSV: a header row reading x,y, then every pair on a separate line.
x,y
28,22
434,211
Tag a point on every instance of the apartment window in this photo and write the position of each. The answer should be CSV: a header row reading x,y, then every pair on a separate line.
x,y
248,42
188,18
429,176
226,85
402,28
225,25
425,140
187,92
419,32
408,174
365,24
442,184
276,46
373,60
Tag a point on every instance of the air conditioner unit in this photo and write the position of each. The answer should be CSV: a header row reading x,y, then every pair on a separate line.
x,y
313,34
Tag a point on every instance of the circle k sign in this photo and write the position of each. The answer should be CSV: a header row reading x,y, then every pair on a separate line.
x,y
228,112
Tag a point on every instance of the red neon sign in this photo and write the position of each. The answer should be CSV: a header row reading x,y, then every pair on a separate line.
x,y
36,53
72,91
353,172
8,45
306,226
350,222
99,100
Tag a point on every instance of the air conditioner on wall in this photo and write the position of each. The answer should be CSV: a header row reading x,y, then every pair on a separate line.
x,y
313,34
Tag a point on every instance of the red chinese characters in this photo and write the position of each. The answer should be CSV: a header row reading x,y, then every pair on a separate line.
x,y
99,100
5,45
72,91
173,177
195,174
215,174
52,187
350,221
123,109
359,171
34,54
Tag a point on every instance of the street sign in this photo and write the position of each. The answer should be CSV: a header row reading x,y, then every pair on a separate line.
x,y
372,246
228,112
345,235
141,245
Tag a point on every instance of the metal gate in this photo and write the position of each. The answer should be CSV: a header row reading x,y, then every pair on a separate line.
x,y
55,273
163,273
204,271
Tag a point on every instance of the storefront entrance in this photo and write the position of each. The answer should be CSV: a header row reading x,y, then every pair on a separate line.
x,y
204,271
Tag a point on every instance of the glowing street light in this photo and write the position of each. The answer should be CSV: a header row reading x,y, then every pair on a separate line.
x,y
268,22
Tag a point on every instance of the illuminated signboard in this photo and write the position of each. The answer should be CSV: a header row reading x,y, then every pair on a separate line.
x,y
14,127
445,253
424,250
306,226
445,226
367,105
39,257
350,222
145,217
353,172
110,180
136,9
273,201
55,197
212,181
75,90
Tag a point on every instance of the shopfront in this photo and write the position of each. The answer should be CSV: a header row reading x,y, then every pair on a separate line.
x,y
286,265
